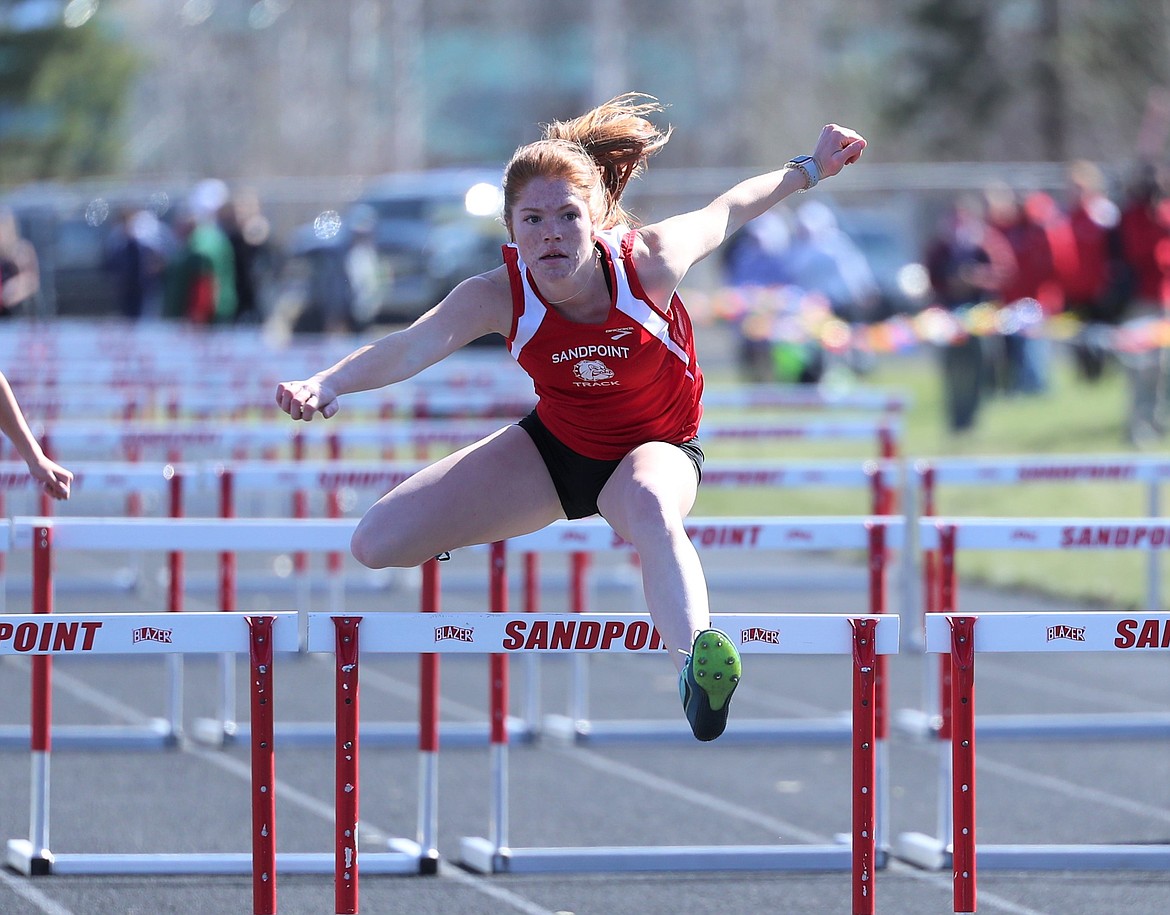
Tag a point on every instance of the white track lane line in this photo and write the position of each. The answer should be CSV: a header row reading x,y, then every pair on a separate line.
x,y
30,894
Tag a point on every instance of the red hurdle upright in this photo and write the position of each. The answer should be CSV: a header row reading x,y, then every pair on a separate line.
x,y
960,639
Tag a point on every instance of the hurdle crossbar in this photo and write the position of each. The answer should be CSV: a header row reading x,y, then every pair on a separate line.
x,y
868,534
946,536
864,638
961,638
930,475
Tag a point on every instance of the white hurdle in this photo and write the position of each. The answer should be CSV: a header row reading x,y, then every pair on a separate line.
x,y
928,476
867,534
960,639
864,638
946,536
43,636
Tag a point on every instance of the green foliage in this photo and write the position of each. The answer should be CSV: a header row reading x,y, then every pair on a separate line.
x,y
62,95
950,70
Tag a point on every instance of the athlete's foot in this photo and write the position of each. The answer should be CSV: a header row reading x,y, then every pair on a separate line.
x,y
705,684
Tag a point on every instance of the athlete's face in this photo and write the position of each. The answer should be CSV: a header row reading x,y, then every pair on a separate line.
x,y
553,228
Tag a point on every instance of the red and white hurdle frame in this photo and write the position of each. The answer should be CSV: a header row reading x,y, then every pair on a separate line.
x,y
109,477
960,639
863,638
946,536
331,476
870,535
47,636
43,535
929,475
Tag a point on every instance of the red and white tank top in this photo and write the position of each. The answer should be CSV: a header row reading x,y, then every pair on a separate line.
x,y
604,389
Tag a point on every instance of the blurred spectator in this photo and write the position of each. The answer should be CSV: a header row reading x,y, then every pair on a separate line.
x,y
189,280
126,258
1145,245
1096,286
362,270
20,273
823,259
211,243
753,264
1044,256
250,236
968,263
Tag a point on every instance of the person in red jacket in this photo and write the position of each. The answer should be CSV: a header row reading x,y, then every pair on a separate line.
x,y
590,309
1094,287
1145,246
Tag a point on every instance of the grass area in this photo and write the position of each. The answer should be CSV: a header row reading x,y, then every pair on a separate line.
x,y
1073,417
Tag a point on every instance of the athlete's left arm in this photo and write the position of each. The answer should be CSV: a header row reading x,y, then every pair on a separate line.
x,y
674,245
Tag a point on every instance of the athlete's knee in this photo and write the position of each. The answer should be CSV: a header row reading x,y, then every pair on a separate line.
x,y
380,546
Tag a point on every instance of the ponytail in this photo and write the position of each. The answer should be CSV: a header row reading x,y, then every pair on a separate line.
x,y
600,152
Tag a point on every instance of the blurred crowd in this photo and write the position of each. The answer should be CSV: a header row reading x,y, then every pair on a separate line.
x,y
1100,258
1005,274
209,264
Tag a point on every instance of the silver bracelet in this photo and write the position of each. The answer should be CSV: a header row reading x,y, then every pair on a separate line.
x,y
812,171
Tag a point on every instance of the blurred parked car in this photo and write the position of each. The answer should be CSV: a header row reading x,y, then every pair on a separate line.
x,y
72,229
431,230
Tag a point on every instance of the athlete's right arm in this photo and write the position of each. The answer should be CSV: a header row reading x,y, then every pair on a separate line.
x,y
477,306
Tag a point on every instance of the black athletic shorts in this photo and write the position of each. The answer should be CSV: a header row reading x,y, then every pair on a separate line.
x,y
578,479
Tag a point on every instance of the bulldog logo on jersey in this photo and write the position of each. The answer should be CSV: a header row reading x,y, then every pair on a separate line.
x,y
592,371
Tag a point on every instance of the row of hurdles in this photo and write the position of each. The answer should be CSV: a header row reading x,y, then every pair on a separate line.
x,y
868,638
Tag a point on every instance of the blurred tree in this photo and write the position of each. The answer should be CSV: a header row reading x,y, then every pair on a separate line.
x,y
62,93
950,83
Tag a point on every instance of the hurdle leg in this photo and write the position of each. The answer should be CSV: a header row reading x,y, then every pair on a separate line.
x,y
532,660
346,768
428,732
487,856
263,768
175,605
962,659
32,856
498,834
227,603
579,713
865,675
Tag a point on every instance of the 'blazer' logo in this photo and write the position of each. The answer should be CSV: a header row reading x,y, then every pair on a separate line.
x,y
153,634
759,634
458,633
1072,633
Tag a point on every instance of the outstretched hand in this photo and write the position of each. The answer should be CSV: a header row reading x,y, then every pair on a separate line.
x,y
837,147
306,399
55,479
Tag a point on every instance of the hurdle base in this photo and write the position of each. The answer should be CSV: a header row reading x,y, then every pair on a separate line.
x,y
216,733
481,856
24,859
813,730
923,851
1073,857
1104,726
155,734
403,857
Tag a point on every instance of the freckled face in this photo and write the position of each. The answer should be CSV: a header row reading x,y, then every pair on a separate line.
x,y
552,228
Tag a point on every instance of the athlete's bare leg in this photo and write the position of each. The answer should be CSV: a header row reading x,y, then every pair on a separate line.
x,y
646,501
492,490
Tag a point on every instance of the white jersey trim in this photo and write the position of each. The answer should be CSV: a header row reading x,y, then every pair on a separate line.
x,y
627,303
